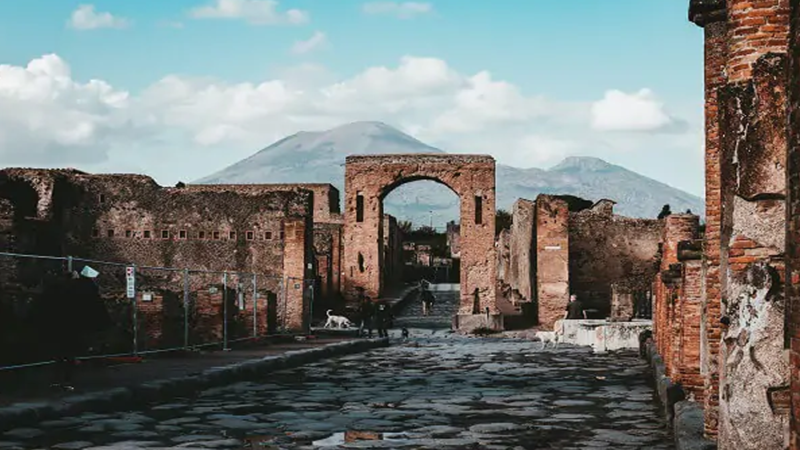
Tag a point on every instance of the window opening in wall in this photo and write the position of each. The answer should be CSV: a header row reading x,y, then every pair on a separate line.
x,y
110,233
250,235
128,233
478,209
102,198
283,235
95,233
182,234
216,235
147,234
232,235
268,235
201,235
359,208
164,234
360,262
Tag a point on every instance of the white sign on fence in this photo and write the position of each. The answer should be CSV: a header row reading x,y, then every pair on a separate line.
x,y
130,278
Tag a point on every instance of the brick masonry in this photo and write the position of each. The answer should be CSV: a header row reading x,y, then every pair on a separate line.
x,y
552,259
368,179
131,219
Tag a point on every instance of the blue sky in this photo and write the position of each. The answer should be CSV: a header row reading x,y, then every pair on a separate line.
x,y
569,52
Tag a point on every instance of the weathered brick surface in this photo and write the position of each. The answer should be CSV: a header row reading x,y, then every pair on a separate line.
x,y
689,319
605,248
552,259
371,178
522,249
793,226
131,219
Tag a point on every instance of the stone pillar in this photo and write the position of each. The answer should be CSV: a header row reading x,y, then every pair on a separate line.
x,y
712,16
295,267
621,303
690,317
753,115
523,249
552,259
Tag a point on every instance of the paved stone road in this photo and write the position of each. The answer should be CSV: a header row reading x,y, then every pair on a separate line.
x,y
436,391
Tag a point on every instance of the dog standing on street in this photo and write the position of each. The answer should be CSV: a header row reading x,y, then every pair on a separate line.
x,y
339,321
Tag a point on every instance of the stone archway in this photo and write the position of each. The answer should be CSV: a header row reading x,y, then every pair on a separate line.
x,y
369,178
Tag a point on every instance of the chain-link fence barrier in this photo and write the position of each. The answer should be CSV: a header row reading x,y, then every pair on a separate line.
x,y
151,309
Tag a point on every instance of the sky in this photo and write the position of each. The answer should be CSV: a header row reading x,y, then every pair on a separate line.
x,y
180,89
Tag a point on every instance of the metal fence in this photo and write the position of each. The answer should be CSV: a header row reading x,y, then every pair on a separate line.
x,y
153,309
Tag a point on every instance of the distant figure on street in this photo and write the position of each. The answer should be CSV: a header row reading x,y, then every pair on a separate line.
x,y
366,313
70,314
428,299
383,316
574,310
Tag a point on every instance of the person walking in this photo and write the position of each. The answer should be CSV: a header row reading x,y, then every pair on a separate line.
x,y
383,315
574,310
428,300
366,312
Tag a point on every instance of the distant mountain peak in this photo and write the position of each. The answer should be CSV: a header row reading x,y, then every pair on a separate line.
x,y
587,163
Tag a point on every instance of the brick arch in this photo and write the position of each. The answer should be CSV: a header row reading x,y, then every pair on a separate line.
x,y
369,178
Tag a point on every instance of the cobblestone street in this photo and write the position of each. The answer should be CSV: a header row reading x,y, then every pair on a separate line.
x,y
433,392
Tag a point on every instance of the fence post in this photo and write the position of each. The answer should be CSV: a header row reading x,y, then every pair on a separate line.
x,y
255,306
283,298
310,306
225,311
135,317
185,309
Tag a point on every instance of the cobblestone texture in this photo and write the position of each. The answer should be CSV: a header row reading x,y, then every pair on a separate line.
x,y
440,391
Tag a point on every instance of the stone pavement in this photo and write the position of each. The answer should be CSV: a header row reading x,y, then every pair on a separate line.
x,y
32,385
435,391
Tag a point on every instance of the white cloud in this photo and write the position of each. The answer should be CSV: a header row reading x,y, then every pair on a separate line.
x,y
403,10
642,111
86,18
256,12
316,41
190,127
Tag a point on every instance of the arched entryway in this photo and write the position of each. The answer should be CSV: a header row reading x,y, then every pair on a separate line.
x,y
369,178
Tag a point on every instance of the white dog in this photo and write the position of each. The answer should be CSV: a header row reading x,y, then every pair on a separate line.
x,y
554,336
340,321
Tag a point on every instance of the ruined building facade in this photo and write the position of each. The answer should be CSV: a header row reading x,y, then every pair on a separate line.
x,y
290,235
728,325
562,245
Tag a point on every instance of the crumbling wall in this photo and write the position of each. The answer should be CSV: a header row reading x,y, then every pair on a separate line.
x,y
130,219
552,259
521,274
604,249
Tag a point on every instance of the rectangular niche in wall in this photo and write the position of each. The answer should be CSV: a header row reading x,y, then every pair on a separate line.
x,y
359,208
478,210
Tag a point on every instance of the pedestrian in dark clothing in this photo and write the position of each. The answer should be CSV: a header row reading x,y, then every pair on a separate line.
x,y
574,310
71,311
428,300
383,315
366,312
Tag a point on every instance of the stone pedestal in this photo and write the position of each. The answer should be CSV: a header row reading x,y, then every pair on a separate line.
x,y
466,323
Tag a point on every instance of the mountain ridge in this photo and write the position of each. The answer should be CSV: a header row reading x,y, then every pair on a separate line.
x,y
319,156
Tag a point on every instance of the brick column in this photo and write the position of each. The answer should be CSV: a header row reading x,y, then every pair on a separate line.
x,y
295,262
753,115
712,16
552,259
690,316
793,225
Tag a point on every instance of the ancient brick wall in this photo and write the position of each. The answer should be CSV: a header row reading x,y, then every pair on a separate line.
x,y
753,116
130,219
552,259
368,179
453,240
711,15
689,319
522,243
605,248
392,252
793,225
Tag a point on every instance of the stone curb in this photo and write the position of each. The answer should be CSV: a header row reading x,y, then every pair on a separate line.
x,y
684,417
22,414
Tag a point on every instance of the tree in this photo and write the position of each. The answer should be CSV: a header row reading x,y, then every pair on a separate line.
x,y
426,230
405,226
502,221
665,211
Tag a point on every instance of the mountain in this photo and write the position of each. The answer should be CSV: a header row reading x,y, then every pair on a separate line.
x,y
318,157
